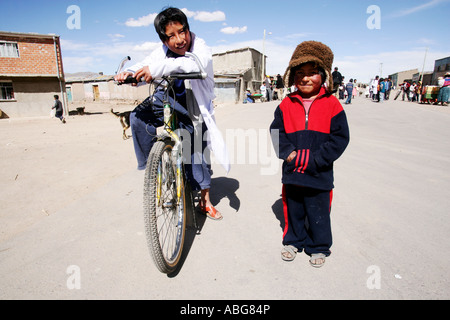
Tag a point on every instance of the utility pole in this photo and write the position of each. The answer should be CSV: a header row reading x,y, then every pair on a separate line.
x,y
263,59
423,66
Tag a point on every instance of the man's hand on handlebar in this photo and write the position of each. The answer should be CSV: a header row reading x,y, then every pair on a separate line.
x,y
144,73
121,77
141,73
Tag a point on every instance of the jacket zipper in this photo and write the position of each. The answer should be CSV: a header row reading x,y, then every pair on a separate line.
x,y
307,113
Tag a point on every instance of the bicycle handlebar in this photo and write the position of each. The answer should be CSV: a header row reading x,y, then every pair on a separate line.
x,y
175,76
187,76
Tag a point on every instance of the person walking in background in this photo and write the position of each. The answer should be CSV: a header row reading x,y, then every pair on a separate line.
x,y
388,88
444,91
337,81
382,87
355,89
405,90
349,89
419,91
58,109
412,92
341,90
374,85
268,89
263,90
280,87
249,98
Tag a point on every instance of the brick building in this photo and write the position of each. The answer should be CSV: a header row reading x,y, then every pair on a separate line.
x,y
31,73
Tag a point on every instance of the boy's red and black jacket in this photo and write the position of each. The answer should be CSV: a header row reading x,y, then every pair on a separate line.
x,y
319,137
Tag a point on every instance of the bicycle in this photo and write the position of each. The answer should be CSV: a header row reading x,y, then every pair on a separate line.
x,y
165,183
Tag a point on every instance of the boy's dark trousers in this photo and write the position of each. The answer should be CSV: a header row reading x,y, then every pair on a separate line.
x,y
144,120
307,219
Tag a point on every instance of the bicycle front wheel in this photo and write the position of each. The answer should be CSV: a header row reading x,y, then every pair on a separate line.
x,y
164,211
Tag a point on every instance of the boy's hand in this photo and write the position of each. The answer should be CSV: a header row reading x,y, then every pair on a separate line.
x,y
144,73
122,76
291,156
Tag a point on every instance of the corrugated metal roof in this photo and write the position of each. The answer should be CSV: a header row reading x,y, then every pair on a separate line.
x,y
231,72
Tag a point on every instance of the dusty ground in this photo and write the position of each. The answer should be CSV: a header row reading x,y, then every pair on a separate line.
x,y
71,196
47,165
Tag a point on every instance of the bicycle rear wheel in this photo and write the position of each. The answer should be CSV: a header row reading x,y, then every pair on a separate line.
x,y
164,214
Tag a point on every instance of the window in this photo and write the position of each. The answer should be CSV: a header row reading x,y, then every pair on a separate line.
x,y
9,49
6,91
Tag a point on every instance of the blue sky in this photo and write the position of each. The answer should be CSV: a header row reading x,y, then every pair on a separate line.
x,y
365,42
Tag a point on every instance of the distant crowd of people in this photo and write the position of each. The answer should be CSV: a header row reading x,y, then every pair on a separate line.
x,y
412,91
272,88
379,90
344,91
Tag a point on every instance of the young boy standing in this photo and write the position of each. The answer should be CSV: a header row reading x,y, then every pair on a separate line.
x,y
312,133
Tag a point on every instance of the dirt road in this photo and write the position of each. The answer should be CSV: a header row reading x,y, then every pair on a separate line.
x,y
71,219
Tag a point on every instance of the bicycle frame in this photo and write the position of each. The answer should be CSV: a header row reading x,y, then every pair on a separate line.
x,y
169,130
177,159
165,184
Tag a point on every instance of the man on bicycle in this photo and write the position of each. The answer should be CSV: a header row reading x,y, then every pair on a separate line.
x,y
194,96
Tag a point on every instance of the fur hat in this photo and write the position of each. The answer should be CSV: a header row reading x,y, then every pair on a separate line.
x,y
311,51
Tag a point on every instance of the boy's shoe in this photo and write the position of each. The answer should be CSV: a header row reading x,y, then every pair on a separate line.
x,y
288,253
211,212
317,260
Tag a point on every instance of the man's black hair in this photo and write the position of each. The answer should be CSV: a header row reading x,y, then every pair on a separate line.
x,y
166,16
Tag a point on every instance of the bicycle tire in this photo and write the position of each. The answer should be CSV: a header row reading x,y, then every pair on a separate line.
x,y
165,218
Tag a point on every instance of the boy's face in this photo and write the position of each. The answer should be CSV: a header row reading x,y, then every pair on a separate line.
x,y
308,80
178,38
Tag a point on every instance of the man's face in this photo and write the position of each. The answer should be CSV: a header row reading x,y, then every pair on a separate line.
x,y
178,38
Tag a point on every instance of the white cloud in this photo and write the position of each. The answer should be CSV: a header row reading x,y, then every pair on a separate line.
x,y
188,13
205,16
142,21
147,46
78,64
72,45
418,8
116,36
80,57
233,30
